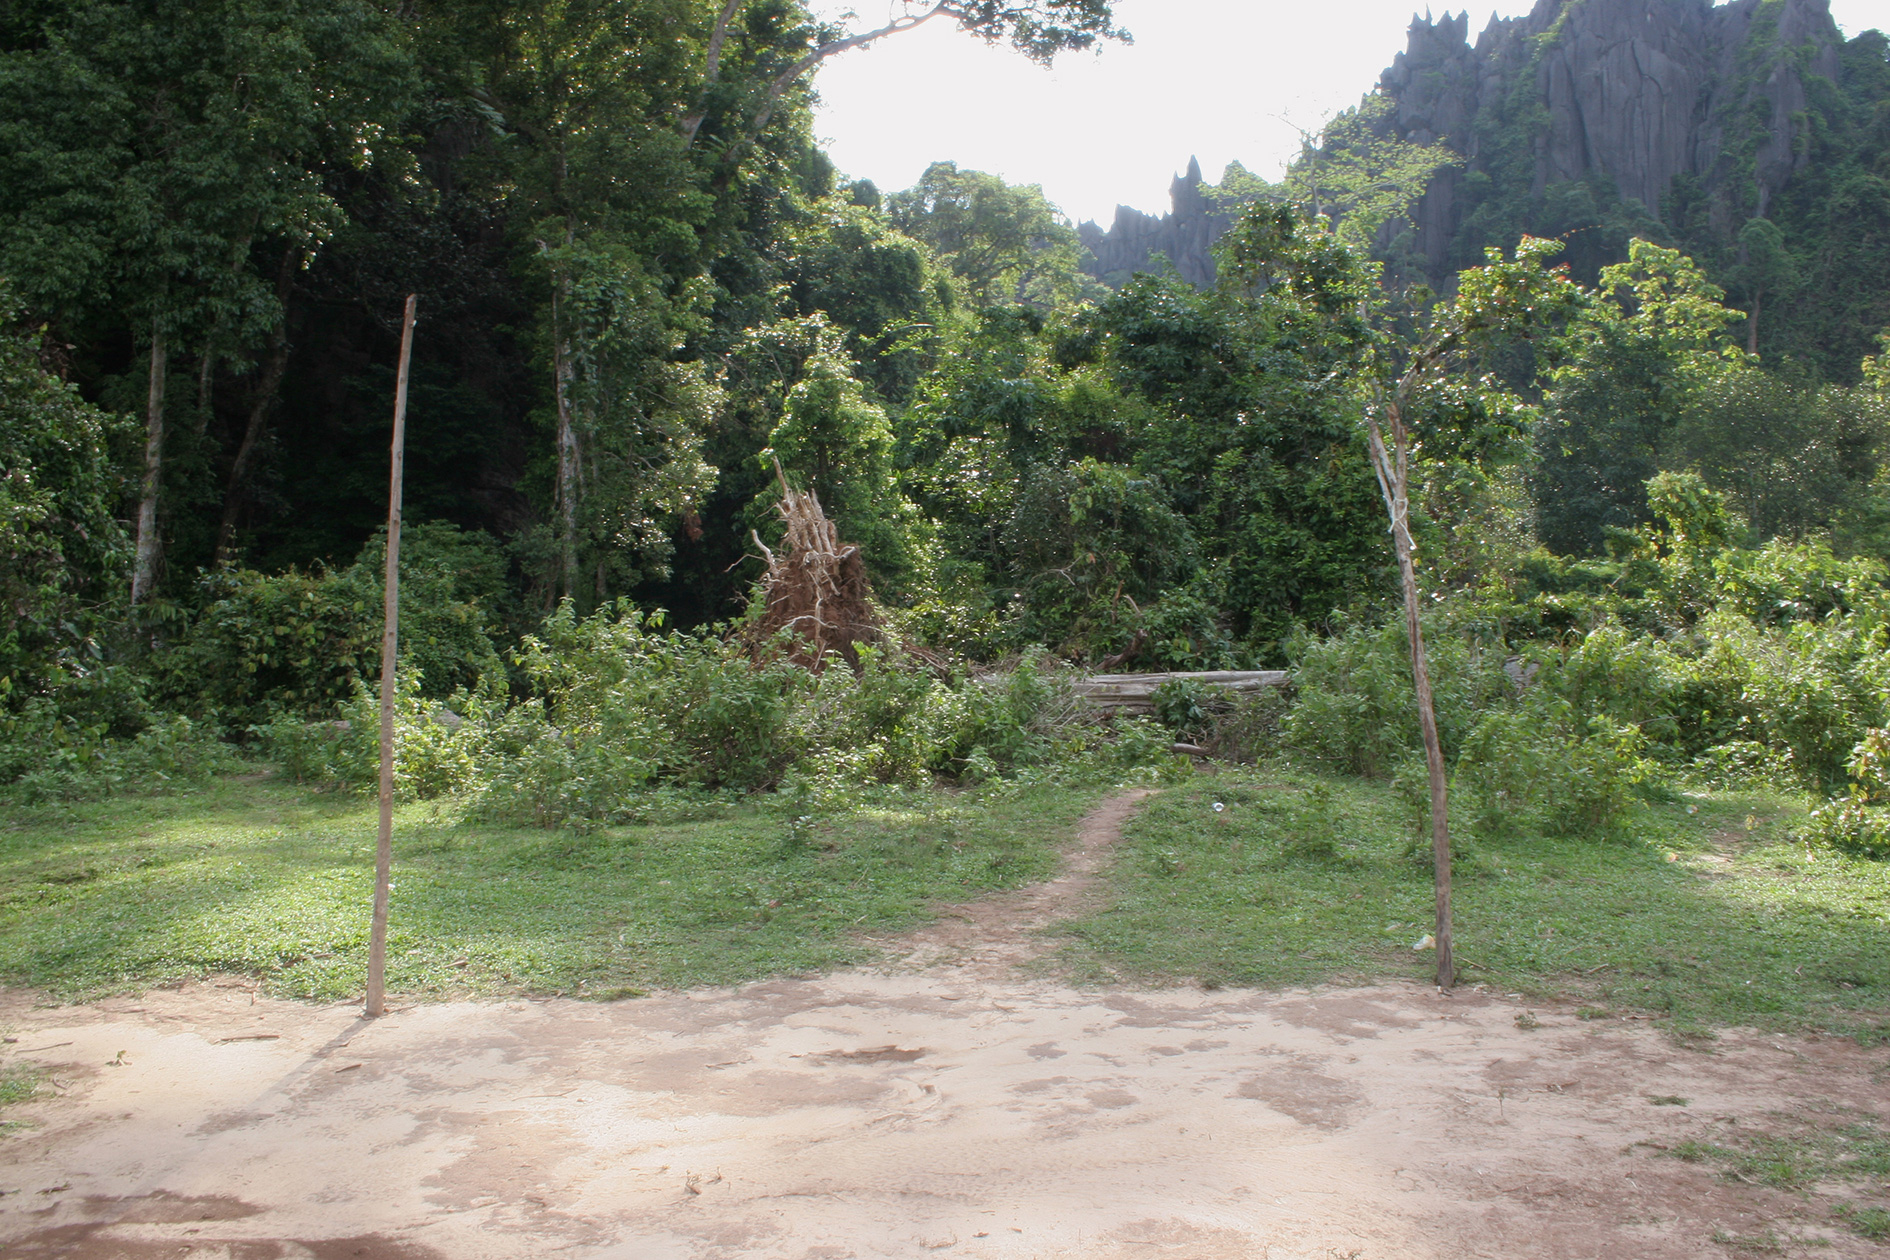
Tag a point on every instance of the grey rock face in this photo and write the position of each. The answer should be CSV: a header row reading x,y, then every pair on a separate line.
x,y
1639,91
1185,235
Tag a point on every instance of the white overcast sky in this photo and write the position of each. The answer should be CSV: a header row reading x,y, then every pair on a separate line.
x,y
1221,80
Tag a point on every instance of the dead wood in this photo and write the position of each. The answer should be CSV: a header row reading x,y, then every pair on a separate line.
x,y
816,589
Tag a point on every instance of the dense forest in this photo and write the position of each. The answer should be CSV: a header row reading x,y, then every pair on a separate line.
x,y
647,300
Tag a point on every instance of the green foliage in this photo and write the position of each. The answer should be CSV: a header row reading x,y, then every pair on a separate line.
x,y
1183,705
62,550
1635,365
1359,177
49,755
1792,457
622,707
262,644
299,643
1004,243
1859,824
1354,709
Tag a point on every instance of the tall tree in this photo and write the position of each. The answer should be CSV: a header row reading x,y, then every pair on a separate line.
x,y
158,161
1005,243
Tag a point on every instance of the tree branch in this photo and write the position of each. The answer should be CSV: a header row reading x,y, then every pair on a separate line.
x,y
783,81
711,70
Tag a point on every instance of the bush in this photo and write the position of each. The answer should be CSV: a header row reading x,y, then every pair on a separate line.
x,y
63,554
1859,824
299,643
436,750
1356,710
45,755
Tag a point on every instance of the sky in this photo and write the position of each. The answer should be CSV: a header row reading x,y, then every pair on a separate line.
x,y
1221,80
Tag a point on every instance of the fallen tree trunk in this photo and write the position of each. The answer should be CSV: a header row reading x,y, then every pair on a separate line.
x,y
1135,693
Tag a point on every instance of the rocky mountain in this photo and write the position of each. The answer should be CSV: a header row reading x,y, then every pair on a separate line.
x,y
1184,236
1623,96
1599,120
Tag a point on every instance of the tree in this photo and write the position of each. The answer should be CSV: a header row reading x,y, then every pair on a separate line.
x,y
165,167
1361,179
1495,303
1790,455
1005,243
1406,400
1636,363
61,547
1765,269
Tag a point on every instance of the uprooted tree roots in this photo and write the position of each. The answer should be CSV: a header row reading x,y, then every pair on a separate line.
x,y
816,589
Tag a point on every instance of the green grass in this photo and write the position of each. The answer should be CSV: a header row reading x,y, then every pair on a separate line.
x,y
1797,1153
1303,880
265,879
1804,1153
18,1083
1868,1222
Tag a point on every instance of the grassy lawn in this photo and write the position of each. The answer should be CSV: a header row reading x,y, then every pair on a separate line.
x,y
1713,917
266,879
1710,917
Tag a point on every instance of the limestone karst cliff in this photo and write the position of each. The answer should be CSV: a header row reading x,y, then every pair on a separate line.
x,y
1624,96
1596,121
1185,236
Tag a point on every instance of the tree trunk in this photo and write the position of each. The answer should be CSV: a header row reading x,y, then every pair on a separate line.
x,y
238,488
711,70
1394,480
260,402
567,450
144,568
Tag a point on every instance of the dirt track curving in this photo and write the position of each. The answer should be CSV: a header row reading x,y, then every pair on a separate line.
x,y
945,1105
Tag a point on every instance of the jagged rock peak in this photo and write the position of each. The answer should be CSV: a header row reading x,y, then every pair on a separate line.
x,y
1637,92
1184,235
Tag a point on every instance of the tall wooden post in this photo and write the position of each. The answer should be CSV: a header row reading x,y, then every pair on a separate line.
x,y
390,638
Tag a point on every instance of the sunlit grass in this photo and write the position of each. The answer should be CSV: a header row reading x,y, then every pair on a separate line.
x,y
269,880
1712,917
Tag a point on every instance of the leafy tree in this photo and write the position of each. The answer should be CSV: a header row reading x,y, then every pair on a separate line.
x,y
1636,364
832,438
1765,269
1004,243
61,546
1359,177
163,166
871,280
1792,456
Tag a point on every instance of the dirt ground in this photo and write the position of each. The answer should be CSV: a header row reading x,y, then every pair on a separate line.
x,y
944,1104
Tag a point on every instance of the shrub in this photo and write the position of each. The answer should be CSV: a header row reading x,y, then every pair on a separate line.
x,y
299,643
436,751
1859,824
45,755
1355,708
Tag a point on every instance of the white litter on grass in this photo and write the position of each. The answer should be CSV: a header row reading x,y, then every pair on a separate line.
x,y
1427,941
1218,807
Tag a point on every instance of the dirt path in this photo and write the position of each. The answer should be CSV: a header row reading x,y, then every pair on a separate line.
x,y
989,939
956,1110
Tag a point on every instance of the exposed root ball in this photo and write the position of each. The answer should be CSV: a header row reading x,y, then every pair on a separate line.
x,y
817,588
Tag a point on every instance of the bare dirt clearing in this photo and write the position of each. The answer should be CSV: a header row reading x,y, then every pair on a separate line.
x,y
943,1106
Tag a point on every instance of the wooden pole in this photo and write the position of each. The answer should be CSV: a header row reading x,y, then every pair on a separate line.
x,y
390,638
1394,478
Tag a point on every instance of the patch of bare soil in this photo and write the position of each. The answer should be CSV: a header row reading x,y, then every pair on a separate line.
x,y
988,939
959,1110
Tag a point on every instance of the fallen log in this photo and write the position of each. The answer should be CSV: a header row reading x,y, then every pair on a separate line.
x,y
1135,693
